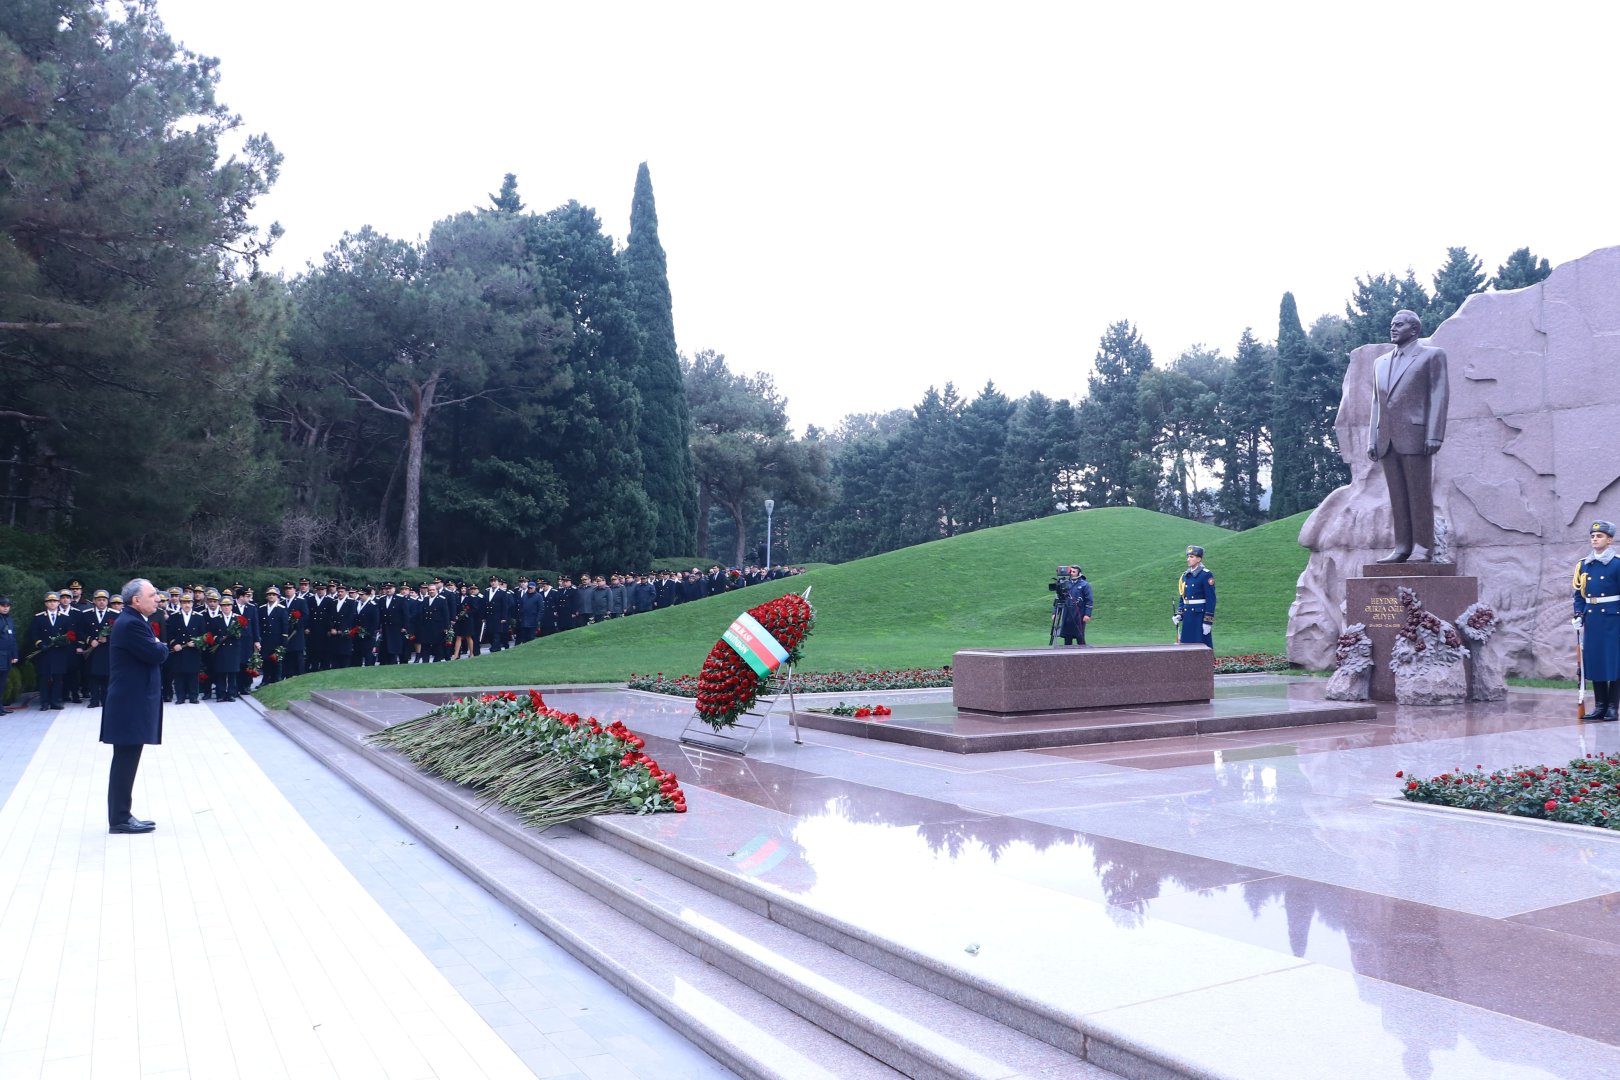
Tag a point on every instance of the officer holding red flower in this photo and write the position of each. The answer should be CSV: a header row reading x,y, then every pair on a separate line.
x,y
48,638
181,634
225,656
95,628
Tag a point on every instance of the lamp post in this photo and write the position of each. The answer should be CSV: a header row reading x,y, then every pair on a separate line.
x,y
770,506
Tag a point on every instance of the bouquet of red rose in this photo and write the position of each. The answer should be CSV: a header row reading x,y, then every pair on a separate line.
x,y
359,632
53,641
255,664
279,655
449,636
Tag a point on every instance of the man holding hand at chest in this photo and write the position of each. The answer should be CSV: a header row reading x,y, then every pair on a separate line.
x,y
133,714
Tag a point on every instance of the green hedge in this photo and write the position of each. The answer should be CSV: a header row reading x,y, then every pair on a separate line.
x,y
27,591
19,680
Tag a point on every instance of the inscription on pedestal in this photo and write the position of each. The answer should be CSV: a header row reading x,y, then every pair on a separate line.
x,y
1375,602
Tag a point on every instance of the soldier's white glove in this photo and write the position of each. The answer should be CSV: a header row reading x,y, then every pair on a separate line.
x,y
1575,621
1207,629
1176,619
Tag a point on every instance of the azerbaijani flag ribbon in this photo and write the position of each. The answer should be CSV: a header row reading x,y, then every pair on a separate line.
x,y
751,641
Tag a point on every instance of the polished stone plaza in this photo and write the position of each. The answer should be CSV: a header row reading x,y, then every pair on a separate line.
x,y
1243,905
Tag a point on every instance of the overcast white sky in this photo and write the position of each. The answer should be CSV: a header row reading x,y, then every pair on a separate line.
x,y
864,199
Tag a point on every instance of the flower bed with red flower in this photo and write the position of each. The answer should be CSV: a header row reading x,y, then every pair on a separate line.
x,y
1586,792
727,687
546,765
809,682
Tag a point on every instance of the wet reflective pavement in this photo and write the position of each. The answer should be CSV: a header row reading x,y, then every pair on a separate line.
x,y
1235,898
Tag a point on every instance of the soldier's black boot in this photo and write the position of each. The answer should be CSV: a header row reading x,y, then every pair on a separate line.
x,y
1609,704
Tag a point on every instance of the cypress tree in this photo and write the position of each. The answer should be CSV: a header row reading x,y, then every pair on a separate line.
x,y
665,419
1305,462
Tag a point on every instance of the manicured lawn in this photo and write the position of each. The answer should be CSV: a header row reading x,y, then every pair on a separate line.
x,y
915,607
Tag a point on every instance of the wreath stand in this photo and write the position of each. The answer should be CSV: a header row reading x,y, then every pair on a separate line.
x,y
735,737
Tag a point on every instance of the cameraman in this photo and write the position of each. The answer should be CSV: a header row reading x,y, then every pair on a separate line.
x,y
1071,608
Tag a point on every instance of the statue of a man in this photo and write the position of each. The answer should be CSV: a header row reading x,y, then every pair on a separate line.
x,y
1410,395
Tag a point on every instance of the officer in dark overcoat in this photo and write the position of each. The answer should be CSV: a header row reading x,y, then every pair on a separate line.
x,y
185,663
95,627
52,650
10,648
390,626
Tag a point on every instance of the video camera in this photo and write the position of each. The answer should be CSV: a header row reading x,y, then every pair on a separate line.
x,y
1060,578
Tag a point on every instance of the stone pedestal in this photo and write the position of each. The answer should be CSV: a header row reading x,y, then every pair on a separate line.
x,y
1007,682
1373,599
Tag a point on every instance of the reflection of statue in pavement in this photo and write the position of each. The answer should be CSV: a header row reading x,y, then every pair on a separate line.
x,y
1410,396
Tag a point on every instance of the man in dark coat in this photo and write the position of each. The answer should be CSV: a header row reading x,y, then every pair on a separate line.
x,y
52,650
95,627
185,662
225,662
390,626
497,614
296,662
436,620
9,646
274,628
531,611
365,644
1074,606
133,715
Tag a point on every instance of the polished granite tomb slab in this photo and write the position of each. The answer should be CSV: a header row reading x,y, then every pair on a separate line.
x,y
1043,681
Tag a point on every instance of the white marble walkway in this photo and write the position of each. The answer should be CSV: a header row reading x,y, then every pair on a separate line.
x,y
230,943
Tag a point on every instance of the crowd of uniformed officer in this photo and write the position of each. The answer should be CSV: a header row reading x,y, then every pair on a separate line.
x,y
221,640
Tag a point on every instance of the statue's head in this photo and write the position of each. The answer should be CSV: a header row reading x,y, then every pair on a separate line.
x,y
1404,327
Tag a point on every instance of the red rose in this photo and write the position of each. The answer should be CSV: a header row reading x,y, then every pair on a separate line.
x,y
1399,773
241,620
1551,805
71,636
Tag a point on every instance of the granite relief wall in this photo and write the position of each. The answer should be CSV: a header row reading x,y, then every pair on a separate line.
x,y
1531,455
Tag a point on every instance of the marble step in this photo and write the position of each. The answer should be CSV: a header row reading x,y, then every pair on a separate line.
x,y
738,1026
1084,1038
897,1019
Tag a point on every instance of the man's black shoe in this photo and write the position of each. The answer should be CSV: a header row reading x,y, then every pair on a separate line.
x,y
133,826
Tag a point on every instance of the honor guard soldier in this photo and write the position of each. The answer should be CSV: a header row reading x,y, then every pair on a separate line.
x,y
1195,602
1597,615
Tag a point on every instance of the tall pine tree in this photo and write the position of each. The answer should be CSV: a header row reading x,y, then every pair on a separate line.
x,y
665,420
1460,278
1111,418
1305,462
1521,271
1245,421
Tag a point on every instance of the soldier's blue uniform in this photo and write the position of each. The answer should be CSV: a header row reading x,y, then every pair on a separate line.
x,y
1596,586
1195,603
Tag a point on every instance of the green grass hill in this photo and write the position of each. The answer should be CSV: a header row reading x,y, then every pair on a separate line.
x,y
916,606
